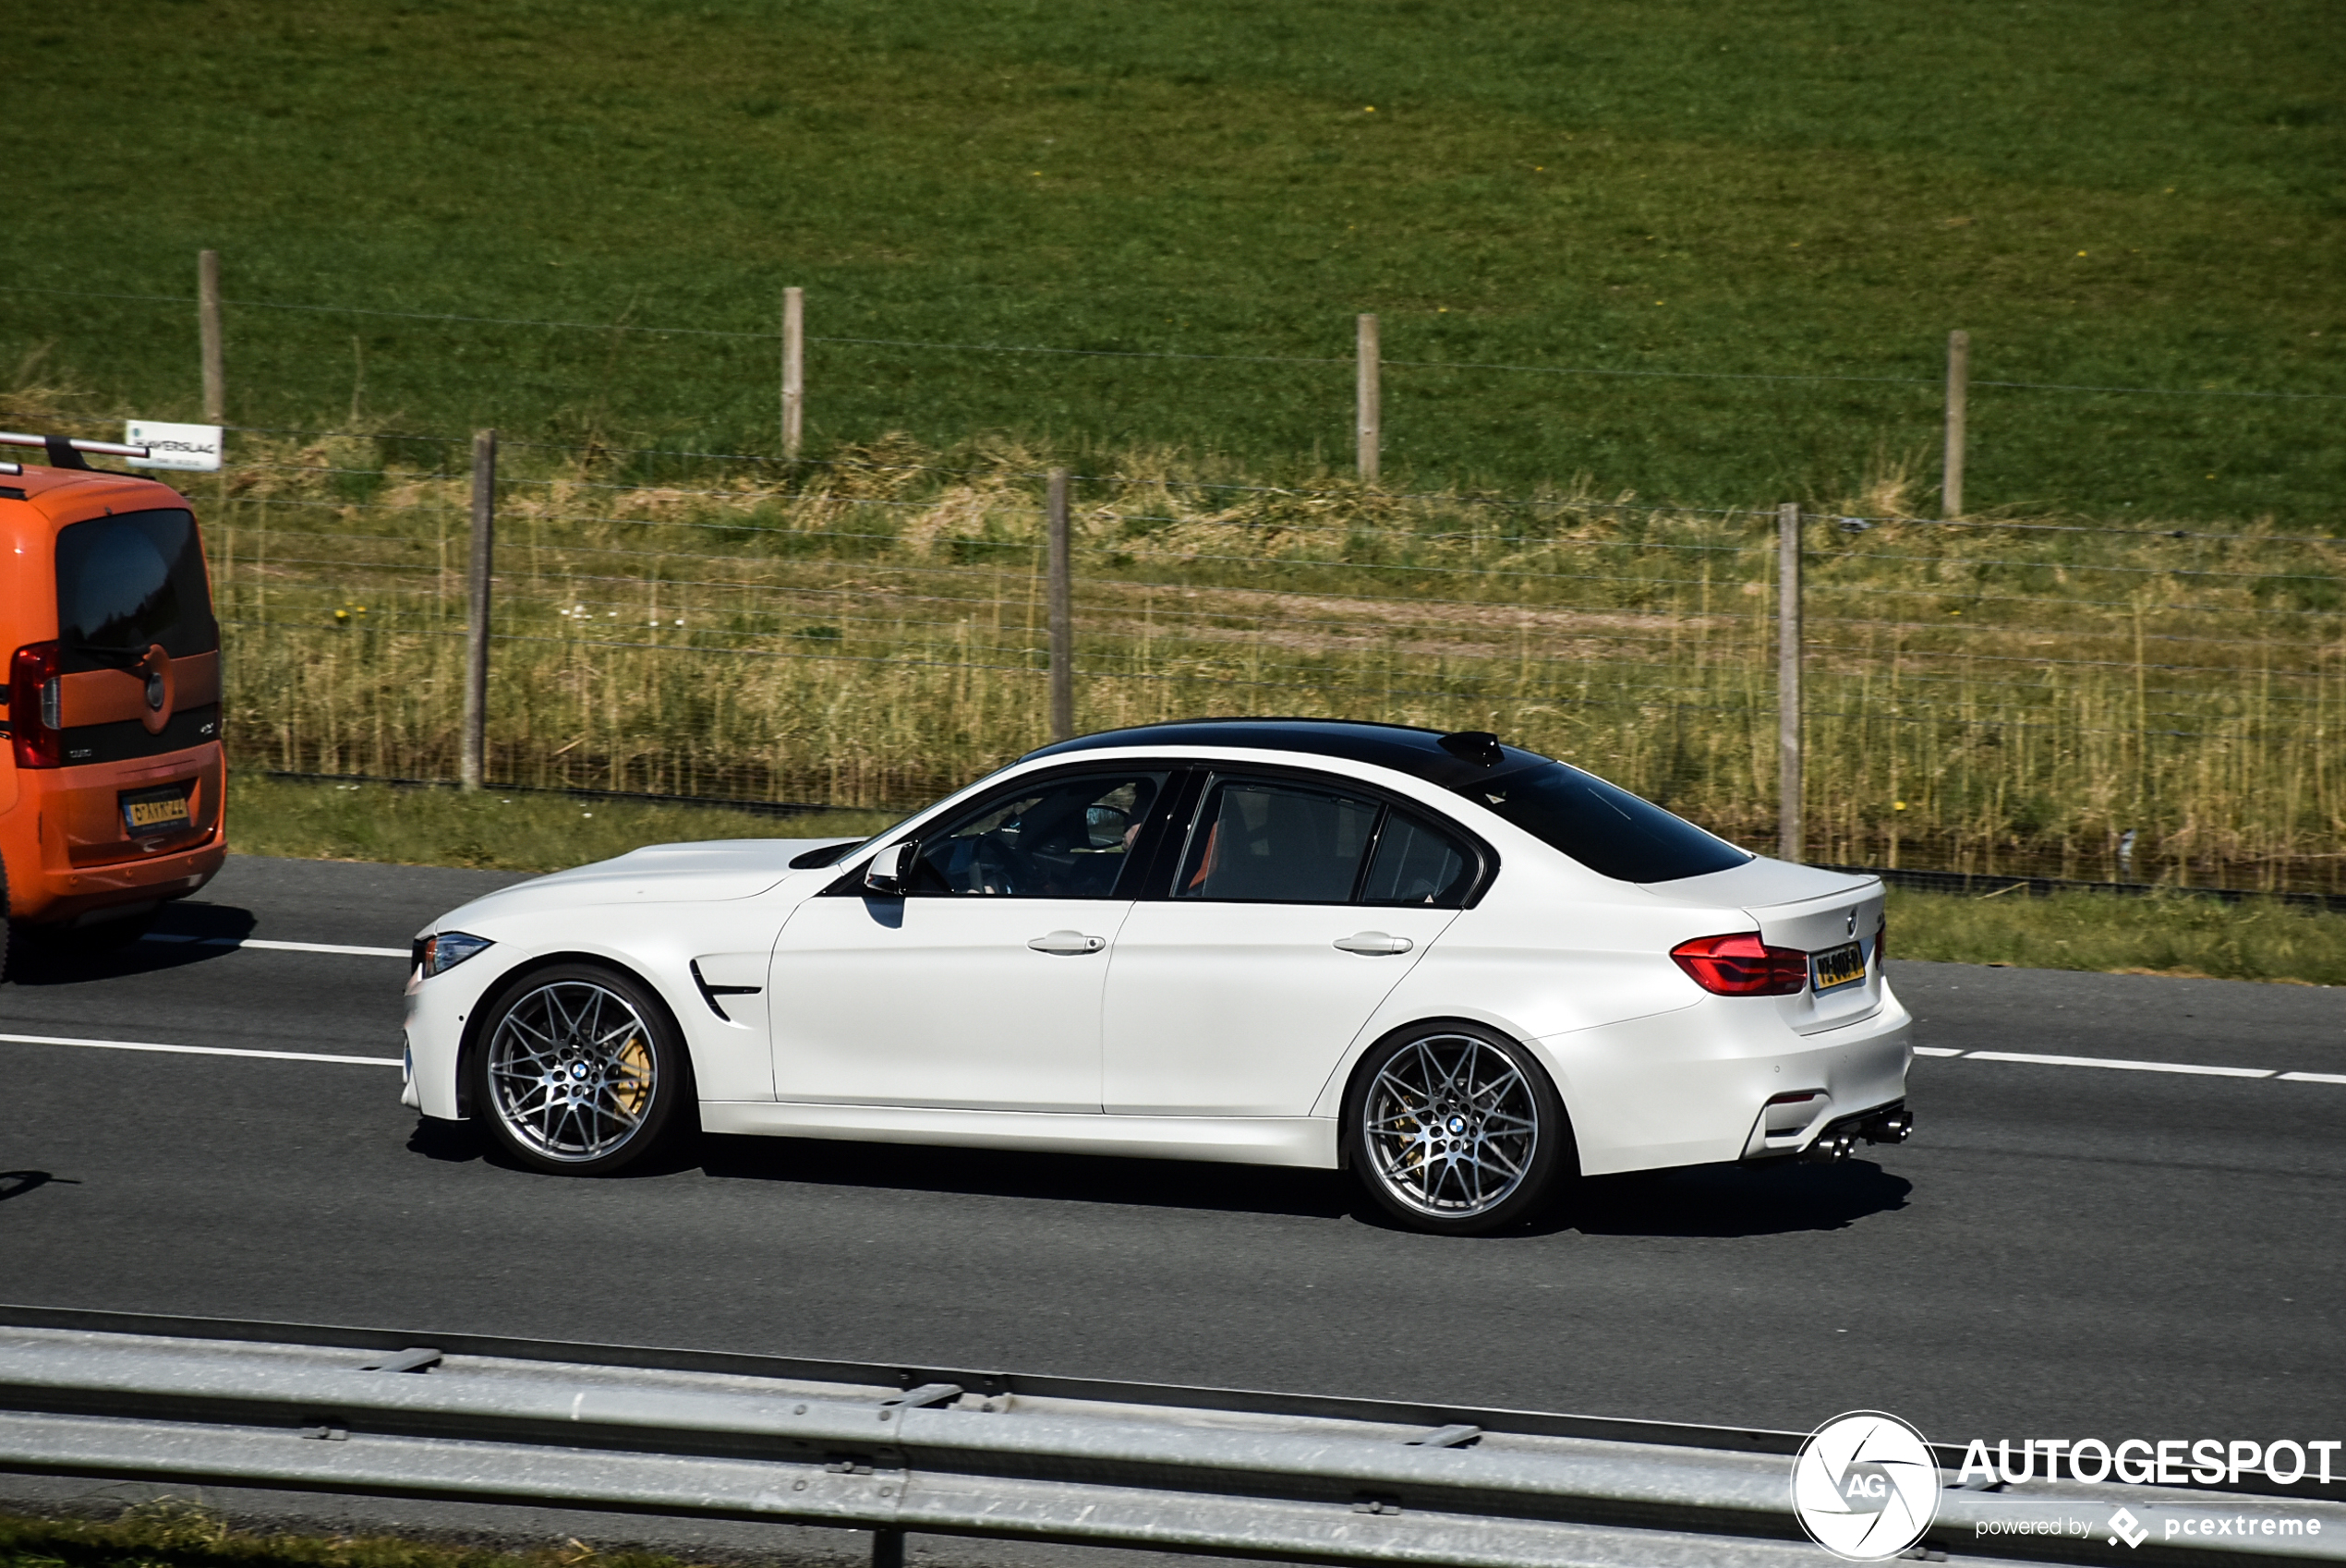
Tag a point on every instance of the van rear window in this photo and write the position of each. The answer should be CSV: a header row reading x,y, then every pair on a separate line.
x,y
1606,829
127,583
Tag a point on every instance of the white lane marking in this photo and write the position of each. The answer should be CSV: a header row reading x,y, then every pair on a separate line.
x,y
198,1050
2115,1062
2022,1056
278,947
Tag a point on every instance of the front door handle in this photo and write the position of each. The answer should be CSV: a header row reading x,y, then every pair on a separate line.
x,y
1376,943
1067,942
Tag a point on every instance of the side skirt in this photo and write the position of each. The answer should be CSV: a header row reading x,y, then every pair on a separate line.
x,y
1244,1140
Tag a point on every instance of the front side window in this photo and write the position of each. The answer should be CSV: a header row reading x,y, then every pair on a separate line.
x,y
126,584
1604,828
1064,839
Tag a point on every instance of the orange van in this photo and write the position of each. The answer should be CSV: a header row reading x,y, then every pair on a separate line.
x,y
111,782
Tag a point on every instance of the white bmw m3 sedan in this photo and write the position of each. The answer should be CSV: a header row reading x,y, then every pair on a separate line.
x,y
1463,970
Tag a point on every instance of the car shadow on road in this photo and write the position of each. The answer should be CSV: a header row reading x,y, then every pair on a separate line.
x,y
1701,1201
1732,1200
1084,1178
16,1184
178,936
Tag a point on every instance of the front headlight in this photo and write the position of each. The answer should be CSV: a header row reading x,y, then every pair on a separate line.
x,y
445,950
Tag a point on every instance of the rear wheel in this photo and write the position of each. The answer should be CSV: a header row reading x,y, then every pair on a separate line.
x,y
1456,1129
579,1070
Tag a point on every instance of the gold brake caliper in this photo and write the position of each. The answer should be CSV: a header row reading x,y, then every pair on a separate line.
x,y
631,1086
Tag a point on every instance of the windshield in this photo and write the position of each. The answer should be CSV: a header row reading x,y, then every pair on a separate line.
x,y
127,583
1607,829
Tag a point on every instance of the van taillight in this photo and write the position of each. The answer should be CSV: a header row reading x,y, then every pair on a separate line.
x,y
1742,965
32,707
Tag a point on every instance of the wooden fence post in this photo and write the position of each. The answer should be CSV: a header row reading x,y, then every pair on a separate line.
x,y
1958,396
1369,436
473,766
215,380
793,370
1062,609
1789,839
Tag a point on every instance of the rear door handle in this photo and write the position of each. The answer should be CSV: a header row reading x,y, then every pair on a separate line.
x,y
1375,943
1067,942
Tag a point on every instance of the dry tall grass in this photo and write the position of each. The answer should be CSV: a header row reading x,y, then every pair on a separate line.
x,y
870,632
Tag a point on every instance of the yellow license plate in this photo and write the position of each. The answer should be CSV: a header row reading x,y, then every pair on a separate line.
x,y
1840,966
147,815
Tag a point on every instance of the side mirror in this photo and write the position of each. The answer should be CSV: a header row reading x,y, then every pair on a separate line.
x,y
892,867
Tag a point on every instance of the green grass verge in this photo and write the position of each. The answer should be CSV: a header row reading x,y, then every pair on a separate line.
x,y
172,1534
493,831
2134,195
2159,933
2174,934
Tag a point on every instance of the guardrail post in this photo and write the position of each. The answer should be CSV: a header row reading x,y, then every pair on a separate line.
x,y
1370,433
793,370
215,379
1958,415
887,1549
473,764
1789,844
1062,609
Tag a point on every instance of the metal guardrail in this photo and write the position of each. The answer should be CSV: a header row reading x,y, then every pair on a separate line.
x,y
907,1449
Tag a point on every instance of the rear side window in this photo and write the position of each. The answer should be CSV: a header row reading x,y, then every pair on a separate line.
x,y
1607,829
127,583
1261,842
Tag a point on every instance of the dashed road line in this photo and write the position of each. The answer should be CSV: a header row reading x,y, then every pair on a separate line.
x,y
198,1050
2024,1057
2118,1063
277,946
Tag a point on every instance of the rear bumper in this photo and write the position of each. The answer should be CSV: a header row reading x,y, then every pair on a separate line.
x,y
1695,1086
70,856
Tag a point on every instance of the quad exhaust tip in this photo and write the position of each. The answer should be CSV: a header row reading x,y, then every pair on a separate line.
x,y
1891,1124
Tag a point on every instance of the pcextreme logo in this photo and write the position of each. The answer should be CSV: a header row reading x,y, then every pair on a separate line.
x,y
1865,1485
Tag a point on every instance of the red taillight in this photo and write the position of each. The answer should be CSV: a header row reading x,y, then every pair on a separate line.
x,y
1881,945
32,707
1742,965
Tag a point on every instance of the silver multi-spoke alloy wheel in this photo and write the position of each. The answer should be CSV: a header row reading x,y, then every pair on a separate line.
x,y
1454,1131
572,1071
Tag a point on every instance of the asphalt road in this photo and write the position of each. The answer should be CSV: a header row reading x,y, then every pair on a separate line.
x,y
2061,1251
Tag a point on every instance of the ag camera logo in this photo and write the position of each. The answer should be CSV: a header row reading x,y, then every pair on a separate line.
x,y
1865,1485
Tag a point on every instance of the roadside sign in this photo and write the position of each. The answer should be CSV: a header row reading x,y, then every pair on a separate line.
x,y
173,446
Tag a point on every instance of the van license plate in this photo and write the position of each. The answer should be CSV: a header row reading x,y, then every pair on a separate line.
x,y
1840,966
155,811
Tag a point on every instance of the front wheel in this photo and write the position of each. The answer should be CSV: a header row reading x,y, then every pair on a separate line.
x,y
579,1070
1455,1129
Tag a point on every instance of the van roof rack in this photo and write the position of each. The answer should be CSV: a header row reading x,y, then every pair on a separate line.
x,y
65,451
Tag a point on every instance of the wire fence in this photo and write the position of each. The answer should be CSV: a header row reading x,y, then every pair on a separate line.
x,y
2209,444
2105,703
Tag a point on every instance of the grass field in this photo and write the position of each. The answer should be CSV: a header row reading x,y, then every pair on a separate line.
x,y
2148,193
494,830
173,1534
2169,934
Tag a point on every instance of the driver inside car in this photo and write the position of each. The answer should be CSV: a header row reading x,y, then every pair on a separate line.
x,y
1067,841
